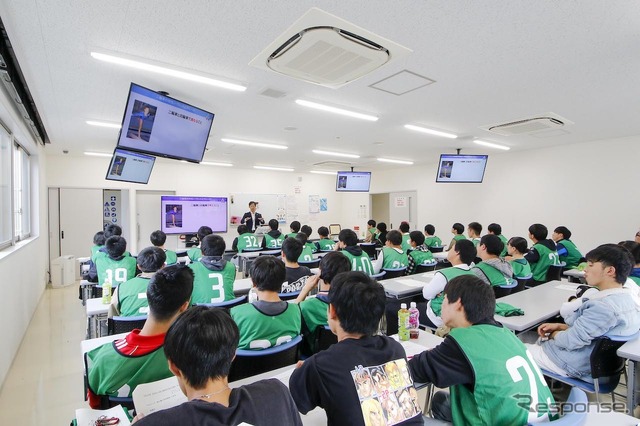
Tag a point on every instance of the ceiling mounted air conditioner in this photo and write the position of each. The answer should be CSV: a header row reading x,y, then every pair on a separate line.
x,y
544,122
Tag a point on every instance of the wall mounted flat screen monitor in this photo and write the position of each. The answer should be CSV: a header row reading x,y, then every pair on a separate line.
x,y
130,166
353,181
461,168
159,125
184,215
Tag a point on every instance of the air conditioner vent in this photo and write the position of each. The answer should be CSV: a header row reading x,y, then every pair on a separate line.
x,y
530,126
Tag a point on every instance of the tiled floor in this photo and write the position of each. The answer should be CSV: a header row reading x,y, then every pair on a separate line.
x,y
44,385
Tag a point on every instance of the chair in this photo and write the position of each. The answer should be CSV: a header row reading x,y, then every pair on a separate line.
x,y
228,255
394,273
436,249
554,273
426,267
248,363
504,290
370,249
522,283
227,304
125,401
310,264
117,325
324,338
378,275
289,296
575,416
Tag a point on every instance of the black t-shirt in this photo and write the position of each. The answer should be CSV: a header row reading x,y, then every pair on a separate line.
x,y
266,402
328,380
296,279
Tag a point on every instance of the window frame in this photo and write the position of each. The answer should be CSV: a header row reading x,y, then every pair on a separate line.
x,y
21,194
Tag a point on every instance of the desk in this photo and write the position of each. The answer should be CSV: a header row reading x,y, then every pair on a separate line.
x,y
441,256
538,303
574,275
410,285
631,351
96,312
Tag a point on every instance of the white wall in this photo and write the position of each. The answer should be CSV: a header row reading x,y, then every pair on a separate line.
x,y
591,188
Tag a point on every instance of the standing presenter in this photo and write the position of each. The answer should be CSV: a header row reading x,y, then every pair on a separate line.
x,y
252,218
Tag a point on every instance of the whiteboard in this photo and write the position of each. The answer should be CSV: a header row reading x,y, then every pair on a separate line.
x,y
270,206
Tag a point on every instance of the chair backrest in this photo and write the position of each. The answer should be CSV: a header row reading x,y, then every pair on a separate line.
x,y
248,363
605,362
394,273
310,264
522,283
289,296
226,304
378,276
228,255
370,249
117,325
436,249
125,401
554,273
425,268
576,416
324,338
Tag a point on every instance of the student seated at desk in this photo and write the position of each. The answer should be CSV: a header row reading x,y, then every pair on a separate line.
x,y
362,370
381,234
493,270
614,310
296,275
419,253
295,229
130,298
109,231
391,256
98,243
269,321
371,231
325,243
274,238
496,229
245,241
430,239
200,347
542,254
567,250
213,275
458,234
516,248
158,238
307,252
194,253
348,244
483,363
635,252
116,265
474,229
404,230
309,246
115,369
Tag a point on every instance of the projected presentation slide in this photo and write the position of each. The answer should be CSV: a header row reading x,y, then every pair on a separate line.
x,y
186,214
127,166
461,168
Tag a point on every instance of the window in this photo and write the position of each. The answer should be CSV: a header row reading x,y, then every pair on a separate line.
x,y
5,188
21,193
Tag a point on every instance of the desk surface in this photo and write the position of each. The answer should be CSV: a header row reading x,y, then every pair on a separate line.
x,y
440,255
406,286
96,307
573,273
630,350
538,303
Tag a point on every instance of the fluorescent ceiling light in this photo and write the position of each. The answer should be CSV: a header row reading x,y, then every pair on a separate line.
x,y
279,169
430,131
335,154
336,110
103,124
251,143
322,172
491,145
387,160
167,71
211,163
98,154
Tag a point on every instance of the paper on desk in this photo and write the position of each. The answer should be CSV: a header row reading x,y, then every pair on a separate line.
x,y
88,417
410,282
567,287
412,348
156,396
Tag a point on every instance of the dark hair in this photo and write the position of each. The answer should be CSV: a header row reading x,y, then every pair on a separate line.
x,y
242,229
99,239
323,231
295,226
201,343
539,231
613,255
252,202
349,237
168,289
115,246
519,244
430,229
475,227
395,237
494,228
273,224
417,237
302,237
292,248
371,222
477,298
213,245
466,250
151,259
203,231
111,230
381,226
332,264
633,247
566,234
306,229
458,227
492,243
359,302
404,227
268,272
158,238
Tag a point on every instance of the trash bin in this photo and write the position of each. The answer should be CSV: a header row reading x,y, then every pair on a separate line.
x,y
63,271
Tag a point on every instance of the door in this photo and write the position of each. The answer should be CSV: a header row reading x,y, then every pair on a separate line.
x,y
148,218
80,219
402,207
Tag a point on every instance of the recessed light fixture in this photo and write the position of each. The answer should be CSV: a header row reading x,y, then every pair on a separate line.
x,y
491,145
336,110
335,154
278,169
98,154
430,131
103,124
388,160
167,71
322,172
251,143
211,163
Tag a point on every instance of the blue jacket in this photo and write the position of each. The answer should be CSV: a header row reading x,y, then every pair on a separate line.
x,y
612,312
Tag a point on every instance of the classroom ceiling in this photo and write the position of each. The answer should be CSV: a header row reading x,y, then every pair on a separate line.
x,y
492,62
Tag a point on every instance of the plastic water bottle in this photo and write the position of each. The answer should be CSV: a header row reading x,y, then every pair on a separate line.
x,y
414,321
106,291
403,322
